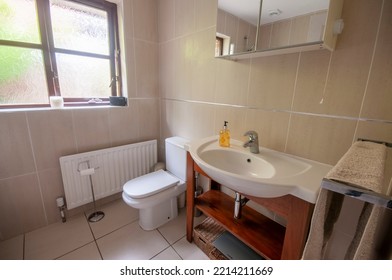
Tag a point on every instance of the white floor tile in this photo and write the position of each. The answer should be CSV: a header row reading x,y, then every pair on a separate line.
x,y
57,239
175,229
12,249
168,254
117,215
189,251
131,242
87,252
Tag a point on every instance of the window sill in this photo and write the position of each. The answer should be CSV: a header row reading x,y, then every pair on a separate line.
x,y
66,107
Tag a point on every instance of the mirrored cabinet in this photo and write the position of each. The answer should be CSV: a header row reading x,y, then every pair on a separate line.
x,y
251,28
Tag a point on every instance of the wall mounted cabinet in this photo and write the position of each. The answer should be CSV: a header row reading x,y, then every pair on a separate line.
x,y
283,26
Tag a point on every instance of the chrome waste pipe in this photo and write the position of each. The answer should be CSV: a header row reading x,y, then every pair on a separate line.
x,y
238,204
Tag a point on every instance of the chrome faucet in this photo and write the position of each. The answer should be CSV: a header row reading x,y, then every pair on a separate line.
x,y
253,142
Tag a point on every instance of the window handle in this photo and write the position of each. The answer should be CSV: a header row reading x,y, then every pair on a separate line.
x,y
114,79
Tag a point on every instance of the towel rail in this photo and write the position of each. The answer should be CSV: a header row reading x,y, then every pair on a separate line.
x,y
389,145
357,192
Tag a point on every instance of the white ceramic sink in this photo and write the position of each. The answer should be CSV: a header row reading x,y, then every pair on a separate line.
x,y
267,174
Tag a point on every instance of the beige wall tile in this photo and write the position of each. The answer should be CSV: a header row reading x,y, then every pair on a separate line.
x,y
15,149
378,99
166,20
21,208
351,60
183,120
146,69
91,129
202,124
149,113
167,118
311,79
374,131
52,135
272,81
167,69
145,17
124,124
203,66
232,81
206,14
220,21
130,64
271,127
184,17
184,49
52,187
322,139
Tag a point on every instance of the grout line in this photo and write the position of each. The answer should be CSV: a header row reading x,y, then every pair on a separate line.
x,y
99,250
282,111
177,253
292,102
370,69
24,247
36,168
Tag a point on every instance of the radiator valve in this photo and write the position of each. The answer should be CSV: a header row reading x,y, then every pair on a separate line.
x,y
61,206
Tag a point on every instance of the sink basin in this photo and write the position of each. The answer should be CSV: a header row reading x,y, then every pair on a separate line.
x,y
238,163
267,174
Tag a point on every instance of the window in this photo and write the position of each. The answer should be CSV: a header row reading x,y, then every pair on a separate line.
x,y
68,48
218,46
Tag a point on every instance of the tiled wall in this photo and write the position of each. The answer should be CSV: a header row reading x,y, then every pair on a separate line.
x,y
178,87
31,142
311,104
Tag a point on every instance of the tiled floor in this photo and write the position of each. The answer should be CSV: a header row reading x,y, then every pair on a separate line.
x,y
117,236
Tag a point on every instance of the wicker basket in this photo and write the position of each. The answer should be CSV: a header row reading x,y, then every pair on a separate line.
x,y
215,254
206,233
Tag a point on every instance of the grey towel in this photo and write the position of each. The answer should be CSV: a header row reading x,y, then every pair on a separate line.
x,y
362,165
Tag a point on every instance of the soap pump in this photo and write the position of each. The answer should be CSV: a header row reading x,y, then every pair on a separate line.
x,y
224,136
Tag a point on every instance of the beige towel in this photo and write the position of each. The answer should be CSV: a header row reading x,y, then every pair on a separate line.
x,y
363,245
362,165
326,212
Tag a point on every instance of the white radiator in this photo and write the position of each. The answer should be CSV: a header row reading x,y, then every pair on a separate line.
x,y
113,167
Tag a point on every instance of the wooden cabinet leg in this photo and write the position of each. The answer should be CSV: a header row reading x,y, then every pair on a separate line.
x,y
190,197
297,228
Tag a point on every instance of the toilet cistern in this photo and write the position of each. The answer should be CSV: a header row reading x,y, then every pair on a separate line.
x,y
253,142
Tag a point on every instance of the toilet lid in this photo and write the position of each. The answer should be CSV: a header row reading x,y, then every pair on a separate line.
x,y
149,184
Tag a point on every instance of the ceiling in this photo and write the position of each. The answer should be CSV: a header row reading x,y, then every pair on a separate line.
x,y
249,9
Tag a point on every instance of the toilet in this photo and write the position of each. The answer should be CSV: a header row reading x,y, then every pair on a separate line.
x,y
158,195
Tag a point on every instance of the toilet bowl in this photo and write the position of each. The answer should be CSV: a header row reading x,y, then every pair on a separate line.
x,y
156,194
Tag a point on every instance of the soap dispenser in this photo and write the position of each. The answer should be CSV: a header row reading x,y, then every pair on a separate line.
x,y
224,136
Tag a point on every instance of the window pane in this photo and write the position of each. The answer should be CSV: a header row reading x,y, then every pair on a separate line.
x,y
22,76
79,27
18,21
83,76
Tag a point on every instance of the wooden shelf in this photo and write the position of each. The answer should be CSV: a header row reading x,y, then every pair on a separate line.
x,y
260,233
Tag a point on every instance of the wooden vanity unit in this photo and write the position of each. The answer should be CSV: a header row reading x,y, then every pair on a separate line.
x,y
265,236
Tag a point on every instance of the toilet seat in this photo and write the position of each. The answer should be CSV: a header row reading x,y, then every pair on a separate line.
x,y
149,184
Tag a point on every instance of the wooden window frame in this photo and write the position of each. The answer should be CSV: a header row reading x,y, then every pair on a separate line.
x,y
49,54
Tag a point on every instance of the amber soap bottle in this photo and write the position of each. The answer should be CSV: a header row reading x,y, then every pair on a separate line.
x,y
224,136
